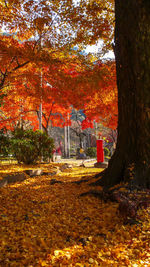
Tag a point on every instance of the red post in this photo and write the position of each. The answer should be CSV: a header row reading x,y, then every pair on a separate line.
x,y
100,151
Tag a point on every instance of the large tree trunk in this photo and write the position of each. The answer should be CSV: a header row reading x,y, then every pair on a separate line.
x,y
131,160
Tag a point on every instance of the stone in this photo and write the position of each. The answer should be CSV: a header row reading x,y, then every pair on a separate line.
x,y
36,172
52,173
10,179
101,164
19,177
65,166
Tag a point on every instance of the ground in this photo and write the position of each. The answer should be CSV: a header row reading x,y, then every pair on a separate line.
x,y
51,224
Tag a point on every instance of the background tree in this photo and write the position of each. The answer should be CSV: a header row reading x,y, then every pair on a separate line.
x,y
93,90
77,116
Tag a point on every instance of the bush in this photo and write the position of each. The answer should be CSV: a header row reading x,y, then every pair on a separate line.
x,y
29,146
5,144
91,152
106,152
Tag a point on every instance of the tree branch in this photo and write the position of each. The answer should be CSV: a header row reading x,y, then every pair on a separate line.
x,y
19,66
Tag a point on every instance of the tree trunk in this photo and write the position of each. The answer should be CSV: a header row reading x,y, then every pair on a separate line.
x,y
131,160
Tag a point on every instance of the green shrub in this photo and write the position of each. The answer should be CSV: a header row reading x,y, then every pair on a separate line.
x,y
29,146
5,143
91,152
106,152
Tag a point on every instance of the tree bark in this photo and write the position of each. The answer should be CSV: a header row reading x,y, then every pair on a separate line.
x,y
131,160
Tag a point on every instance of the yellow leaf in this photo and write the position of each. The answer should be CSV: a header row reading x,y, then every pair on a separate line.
x,y
91,260
43,263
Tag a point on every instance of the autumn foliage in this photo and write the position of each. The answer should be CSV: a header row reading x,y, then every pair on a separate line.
x,y
92,89
51,224
39,62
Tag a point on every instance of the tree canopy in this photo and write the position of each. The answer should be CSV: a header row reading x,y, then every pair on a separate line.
x,y
47,37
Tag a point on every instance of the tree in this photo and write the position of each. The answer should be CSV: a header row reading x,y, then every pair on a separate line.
x,y
79,124
94,90
35,34
21,109
37,31
130,162
101,105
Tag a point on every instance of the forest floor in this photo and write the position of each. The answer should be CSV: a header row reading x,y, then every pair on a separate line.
x,y
51,224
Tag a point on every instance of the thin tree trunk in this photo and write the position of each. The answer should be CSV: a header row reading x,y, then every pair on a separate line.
x,y
131,160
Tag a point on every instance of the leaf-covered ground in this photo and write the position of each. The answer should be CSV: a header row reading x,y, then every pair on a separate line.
x,y
44,224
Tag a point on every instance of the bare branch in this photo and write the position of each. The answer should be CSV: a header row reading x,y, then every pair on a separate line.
x,y
19,66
